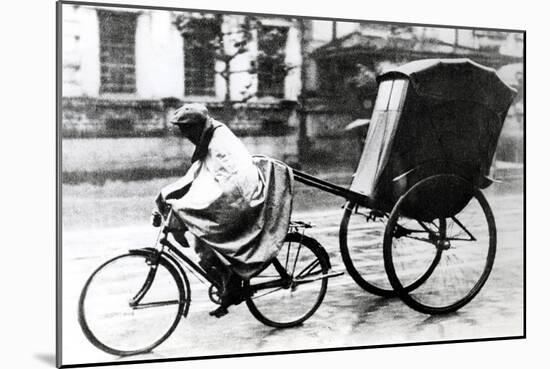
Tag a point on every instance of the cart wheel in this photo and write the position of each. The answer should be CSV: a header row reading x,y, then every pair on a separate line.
x,y
465,244
361,247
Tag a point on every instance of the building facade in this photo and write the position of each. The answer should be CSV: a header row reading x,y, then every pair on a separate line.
x,y
284,85
347,56
123,68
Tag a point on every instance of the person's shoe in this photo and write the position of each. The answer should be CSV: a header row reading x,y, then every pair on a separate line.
x,y
234,297
219,312
233,294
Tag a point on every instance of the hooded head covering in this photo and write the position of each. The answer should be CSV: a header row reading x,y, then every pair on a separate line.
x,y
190,114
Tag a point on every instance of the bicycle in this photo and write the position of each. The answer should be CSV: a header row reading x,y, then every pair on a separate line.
x,y
133,302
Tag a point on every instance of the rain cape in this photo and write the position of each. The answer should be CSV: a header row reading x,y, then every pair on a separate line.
x,y
237,205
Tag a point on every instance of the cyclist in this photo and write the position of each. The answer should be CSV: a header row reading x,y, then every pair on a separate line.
x,y
237,213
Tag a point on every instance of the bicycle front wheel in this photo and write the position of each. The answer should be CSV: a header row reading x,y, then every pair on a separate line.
x,y
289,303
131,304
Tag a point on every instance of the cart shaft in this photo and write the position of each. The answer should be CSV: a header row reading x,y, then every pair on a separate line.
x,y
326,186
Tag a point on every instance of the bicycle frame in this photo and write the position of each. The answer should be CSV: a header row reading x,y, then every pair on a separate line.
x,y
167,258
183,261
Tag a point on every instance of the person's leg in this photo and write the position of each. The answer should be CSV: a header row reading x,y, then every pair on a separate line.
x,y
211,264
230,284
232,293
178,230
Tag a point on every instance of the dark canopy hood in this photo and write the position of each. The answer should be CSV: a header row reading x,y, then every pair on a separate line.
x,y
455,79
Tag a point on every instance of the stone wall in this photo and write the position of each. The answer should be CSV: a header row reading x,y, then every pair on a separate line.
x,y
90,117
132,158
94,117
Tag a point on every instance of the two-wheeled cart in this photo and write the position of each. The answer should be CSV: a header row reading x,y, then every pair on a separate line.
x,y
416,223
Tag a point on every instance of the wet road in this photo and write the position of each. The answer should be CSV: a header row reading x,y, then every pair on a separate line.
x,y
348,316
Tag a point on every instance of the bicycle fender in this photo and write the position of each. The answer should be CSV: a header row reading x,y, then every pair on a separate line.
x,y
146,251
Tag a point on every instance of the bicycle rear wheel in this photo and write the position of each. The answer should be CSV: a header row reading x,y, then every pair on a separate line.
x,y
131,304
290,303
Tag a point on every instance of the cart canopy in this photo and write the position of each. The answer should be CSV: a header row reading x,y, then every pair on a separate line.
x,y
456,79
430,117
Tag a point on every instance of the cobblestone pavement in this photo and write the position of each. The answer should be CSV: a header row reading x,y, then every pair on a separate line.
x,y
348,316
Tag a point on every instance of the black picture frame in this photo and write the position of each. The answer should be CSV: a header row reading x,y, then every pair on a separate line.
x,y
63,176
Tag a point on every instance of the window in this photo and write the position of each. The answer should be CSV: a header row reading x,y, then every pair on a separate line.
x,y
337,77
199,57
117,57
271,61
328,77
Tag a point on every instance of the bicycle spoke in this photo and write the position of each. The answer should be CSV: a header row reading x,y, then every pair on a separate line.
x,y
309,267
267,293
296,259
427,240
155,304
287,254
460,239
